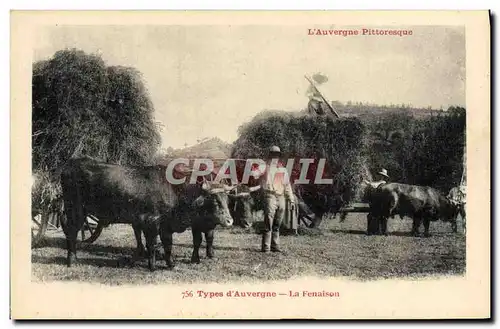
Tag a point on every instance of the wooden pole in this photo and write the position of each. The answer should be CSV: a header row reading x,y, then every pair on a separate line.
x,y
464,169
323,98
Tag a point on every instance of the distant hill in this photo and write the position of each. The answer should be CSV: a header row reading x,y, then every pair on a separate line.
x,y
213,148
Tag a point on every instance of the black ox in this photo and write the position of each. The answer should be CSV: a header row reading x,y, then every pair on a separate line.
x,y
421,203
250,199
143,197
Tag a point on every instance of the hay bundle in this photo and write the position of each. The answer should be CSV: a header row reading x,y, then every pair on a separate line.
x,y
340,141
46,193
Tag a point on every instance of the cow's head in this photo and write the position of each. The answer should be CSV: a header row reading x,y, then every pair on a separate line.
x,y
214,203
244,202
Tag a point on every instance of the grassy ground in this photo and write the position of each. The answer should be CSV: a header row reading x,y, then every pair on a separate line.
x,y
339,249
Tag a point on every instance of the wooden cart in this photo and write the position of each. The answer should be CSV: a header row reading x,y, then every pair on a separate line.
x,y
43,221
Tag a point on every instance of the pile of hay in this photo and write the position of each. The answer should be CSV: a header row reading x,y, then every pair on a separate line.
x,y
46,193
342,142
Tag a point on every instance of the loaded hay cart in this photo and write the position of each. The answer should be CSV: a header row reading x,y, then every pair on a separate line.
x,y
48,215
42,222
47,212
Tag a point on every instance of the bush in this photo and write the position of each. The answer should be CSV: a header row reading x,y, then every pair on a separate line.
x,y
438,150
426,151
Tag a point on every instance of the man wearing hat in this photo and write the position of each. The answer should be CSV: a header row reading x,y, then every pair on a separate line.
x,y
277,188
380,177
457,196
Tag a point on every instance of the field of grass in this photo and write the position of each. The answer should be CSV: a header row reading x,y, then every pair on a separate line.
x,y
338,249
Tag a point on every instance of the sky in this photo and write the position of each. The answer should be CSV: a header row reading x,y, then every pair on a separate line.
x,y
205,81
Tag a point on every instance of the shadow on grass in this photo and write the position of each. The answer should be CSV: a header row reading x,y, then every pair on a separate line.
x,y
97,262
187,261
121,262
93,248
394,233
51,243
216,247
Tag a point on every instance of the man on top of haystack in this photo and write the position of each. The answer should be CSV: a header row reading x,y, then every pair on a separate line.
x,y
318,105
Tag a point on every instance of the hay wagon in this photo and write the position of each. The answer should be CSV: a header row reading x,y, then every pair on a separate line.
x,y
46,219
44,222
356,207
47,211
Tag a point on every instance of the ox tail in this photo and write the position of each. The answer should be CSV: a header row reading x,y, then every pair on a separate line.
x,y
384,204
82,214
68,203
392,205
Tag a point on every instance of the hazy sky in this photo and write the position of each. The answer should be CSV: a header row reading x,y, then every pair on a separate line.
x,y
205,81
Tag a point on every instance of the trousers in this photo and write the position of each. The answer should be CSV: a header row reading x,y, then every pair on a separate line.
x,y
274,211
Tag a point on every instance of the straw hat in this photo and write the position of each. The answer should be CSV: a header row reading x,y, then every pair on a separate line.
x,y
274,149
383,172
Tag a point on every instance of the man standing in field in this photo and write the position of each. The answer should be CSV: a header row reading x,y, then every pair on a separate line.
x,y
381,179
457,195
277,189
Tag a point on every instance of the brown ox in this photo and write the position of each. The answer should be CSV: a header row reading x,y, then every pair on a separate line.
x,y
143,197
421,203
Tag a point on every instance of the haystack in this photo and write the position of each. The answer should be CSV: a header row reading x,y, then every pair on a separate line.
x,y
340,141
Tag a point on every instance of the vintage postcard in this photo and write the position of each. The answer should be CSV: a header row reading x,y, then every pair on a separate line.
x,y
250,165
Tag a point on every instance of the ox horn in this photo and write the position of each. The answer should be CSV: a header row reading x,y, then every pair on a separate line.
x,y
251,189
216,190
254,188
205,186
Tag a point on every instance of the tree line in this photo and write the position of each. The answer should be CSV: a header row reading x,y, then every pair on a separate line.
x,y
421,151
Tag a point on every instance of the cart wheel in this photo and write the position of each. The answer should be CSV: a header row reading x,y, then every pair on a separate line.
x,y
39,224
94,227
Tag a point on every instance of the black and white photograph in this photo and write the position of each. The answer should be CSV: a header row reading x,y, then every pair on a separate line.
x,y
235,154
